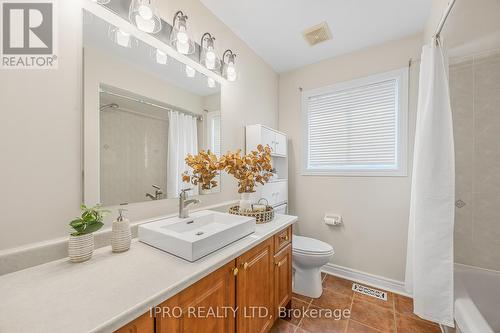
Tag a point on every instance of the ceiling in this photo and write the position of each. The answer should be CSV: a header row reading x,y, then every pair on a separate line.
x,y
273,29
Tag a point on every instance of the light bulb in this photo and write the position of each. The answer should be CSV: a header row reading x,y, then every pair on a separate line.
x,y
190,72
161,57
146,25
210,82
182,36
231,72
210,59
122,38
145,12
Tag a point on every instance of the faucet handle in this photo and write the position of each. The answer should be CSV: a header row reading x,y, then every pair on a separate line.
x,y
185,190
156,187
183,193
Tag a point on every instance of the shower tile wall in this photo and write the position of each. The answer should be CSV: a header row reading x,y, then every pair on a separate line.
x,y
475,99
133,156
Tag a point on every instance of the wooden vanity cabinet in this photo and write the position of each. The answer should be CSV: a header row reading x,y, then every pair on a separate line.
x,y
257,284
143,324
255,289
283,279
209,298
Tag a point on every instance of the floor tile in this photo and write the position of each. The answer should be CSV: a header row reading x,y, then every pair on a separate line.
x,y
281,326
296,312
404,306
373,315
355,327
333,300
406,324
302,298
323,325
389,304
337,284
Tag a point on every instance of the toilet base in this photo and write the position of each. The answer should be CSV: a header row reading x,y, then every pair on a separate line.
x,y
307,282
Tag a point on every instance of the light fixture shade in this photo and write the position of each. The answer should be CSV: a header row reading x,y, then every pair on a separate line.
x,y
208,54
210,82
179,37
190,71
144,15
120,37
102,2
229,67
161,57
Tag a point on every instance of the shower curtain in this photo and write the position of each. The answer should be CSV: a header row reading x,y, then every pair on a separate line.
x,y
182,140
429,267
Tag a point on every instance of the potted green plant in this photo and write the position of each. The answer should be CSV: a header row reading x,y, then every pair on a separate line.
x,y
81,241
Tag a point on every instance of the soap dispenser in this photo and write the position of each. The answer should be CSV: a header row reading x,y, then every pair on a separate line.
x,y
121,236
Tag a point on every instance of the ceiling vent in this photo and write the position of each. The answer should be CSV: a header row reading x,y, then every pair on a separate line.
x,y
317,34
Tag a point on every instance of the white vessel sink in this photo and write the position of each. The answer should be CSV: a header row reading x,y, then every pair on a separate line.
x,y
196,236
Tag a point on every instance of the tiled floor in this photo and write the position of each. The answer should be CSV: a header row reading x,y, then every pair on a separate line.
x,y
367,314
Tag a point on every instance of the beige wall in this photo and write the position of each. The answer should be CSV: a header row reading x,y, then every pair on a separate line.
x,y
472,25
41,128
375,209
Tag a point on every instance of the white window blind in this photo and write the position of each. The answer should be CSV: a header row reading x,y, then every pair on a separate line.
x,y
214,132
358,127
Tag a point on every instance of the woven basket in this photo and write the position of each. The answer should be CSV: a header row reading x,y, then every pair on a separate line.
x,y
260,217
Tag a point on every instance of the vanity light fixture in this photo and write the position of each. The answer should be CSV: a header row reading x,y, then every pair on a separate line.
x,y
208,57
144,15
228,67
179,37
190,72
102,2
161,57
210,82
120,37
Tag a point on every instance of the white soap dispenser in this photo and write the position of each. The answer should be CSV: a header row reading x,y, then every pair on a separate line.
x,y
121,236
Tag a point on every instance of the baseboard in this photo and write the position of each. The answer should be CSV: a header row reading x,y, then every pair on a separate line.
x,y
366,278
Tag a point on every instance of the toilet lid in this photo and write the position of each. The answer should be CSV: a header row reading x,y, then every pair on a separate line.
x,y
310,245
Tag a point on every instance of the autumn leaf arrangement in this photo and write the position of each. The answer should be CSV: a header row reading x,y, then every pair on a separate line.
x,y
249,170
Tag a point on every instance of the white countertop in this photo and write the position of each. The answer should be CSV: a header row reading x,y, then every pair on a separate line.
x,y
111,289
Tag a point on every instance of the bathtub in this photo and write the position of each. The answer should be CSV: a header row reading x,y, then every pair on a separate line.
x,y
477,300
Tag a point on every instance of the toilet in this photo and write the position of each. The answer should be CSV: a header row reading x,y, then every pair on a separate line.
x,y
308,256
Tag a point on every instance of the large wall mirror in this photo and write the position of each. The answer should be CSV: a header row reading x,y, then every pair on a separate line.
x,y
143,113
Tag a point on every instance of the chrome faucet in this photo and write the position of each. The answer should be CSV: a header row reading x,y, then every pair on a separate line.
x,y
158,193
184,204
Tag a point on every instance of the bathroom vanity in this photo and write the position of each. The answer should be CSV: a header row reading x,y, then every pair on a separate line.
x,y
258,280
121,288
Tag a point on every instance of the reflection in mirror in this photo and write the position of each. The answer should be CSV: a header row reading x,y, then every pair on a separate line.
x,y
143,115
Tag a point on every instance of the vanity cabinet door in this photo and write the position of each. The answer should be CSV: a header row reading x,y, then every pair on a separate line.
x,y
283,278
205,307
255,289
143,324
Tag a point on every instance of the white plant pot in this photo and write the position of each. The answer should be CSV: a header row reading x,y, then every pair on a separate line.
x,y
245,202
80,248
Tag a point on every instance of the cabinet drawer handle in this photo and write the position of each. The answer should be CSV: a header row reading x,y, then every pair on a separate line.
x,y
245,266
279,263
284,237
235,271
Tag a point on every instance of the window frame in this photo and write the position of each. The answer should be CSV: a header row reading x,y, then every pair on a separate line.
x,y
401,75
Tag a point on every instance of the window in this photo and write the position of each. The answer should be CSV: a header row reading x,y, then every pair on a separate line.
x,y
357,128
214,132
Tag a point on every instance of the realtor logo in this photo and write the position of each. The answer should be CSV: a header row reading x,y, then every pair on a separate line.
x,y
28,34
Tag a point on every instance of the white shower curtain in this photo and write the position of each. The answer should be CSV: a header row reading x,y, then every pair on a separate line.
x,y
182,140
429,267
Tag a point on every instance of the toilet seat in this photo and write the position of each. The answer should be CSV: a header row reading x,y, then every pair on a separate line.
x,y
310,246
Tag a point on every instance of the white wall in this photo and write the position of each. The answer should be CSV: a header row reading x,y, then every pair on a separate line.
x,y
41,121
375,209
